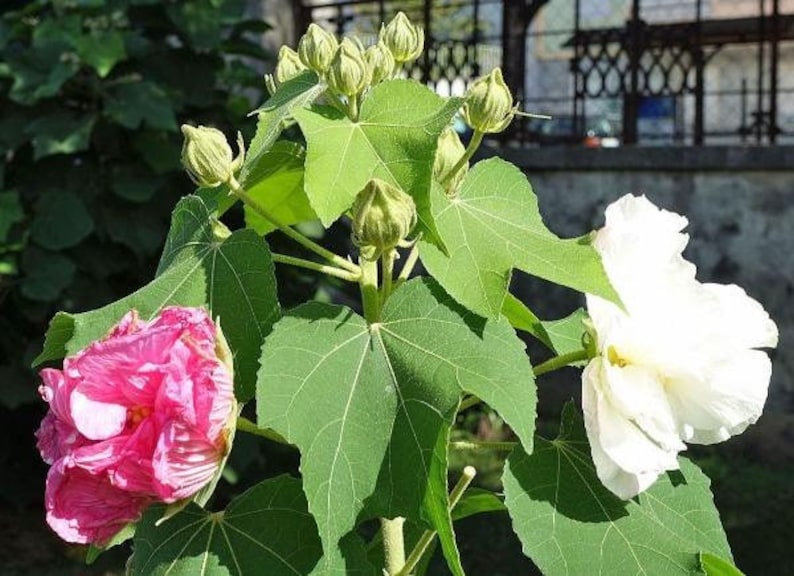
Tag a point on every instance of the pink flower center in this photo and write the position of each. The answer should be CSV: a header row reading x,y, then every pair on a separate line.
x,y
136,415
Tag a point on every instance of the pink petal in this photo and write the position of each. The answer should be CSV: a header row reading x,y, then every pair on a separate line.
x,y
184,461
85,508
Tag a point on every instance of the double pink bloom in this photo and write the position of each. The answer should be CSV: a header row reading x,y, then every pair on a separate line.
x,y
139,417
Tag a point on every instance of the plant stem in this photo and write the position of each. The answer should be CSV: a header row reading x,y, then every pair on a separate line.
x,y
352,107
479,445
421,546
474,143
560,362
238,191
408,267
370,299
387,268
393,544
245,425
324,268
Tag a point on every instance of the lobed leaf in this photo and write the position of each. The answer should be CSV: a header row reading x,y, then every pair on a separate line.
x,y
394,139
233,278
371,407
492,226
265,530
569,523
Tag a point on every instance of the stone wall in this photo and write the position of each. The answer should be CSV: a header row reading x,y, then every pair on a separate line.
x,y
740,205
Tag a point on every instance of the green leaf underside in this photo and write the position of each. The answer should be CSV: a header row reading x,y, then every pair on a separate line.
x,y
275,114
371,409
494,225
276,183
522,318
233,278
266,530
569,523
394,139
713,565
566,333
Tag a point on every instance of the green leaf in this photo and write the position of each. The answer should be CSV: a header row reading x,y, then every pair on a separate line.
x,y
276,114
61,133
276,183
61,220
371,408
713,565
233,278
566,333
265,530
394,139
522,318
45,275
135,103
569,523
39,72
11,212
134,183
199,21
101,49
494,225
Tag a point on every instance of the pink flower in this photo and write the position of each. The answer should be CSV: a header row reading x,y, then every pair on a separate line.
x,y
139,417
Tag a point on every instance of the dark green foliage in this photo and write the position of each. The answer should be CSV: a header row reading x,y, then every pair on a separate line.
x,y
91,98
92,94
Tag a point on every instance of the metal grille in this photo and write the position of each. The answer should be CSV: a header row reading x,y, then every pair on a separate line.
x,y
653,72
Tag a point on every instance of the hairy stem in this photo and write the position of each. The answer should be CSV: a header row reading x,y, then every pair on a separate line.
x,y
474,144
370,299
560,361
324,268
393,544
352,107
421,546
238,191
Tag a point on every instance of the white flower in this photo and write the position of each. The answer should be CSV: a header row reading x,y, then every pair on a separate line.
x,y
679,364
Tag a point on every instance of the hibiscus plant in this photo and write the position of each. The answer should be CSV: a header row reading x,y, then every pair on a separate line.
x,y
151,390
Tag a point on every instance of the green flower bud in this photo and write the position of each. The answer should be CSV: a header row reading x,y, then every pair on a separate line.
x,y
316,48
449,152
489,104
289,64
349,73
383,215
207,156
381,62
405,40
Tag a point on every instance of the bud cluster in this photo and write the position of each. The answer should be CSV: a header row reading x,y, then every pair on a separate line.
x,y
348,67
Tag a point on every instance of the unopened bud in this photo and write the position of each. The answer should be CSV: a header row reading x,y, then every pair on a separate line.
x,y
207,156
349,73
316,48
405,40
489,104
449,152
381,62
289,64
383,215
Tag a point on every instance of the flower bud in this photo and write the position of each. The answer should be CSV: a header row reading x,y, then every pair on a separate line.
x,y
449,152
381,62
316,48
289,64
348,73
207,156
383,215
405,40
489,104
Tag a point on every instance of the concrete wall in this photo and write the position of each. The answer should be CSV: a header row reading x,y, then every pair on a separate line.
x,y
739,201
